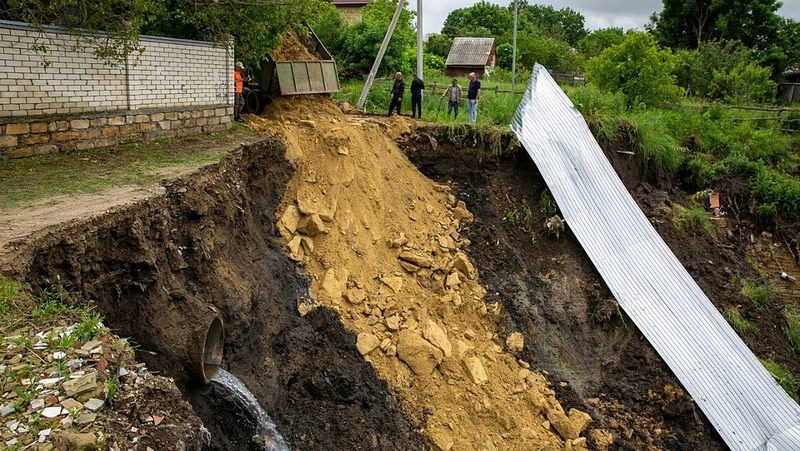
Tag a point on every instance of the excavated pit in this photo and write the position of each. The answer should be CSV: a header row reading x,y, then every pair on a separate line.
x,y
596,358
159,268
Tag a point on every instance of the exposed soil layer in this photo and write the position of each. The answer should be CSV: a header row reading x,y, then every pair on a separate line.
x,y
553,295
160,269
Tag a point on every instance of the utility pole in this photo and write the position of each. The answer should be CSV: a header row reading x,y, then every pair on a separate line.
x,y
420,63
514,50
371,78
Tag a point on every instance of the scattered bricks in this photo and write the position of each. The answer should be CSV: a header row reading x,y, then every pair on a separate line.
x,y
20,152
8,141
110,132
116,120
18,128
171,116
164,125
34,139
141,118
79,124
157,117
99,122
39,127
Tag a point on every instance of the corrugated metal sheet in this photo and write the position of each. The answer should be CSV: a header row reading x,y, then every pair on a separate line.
x,y
470,52
740,398
307,77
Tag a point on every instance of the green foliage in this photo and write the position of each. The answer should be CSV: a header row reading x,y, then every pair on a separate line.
x,y
694,69
792,316
760,295
482,19
439,45
547,205
566,24
51,303
737,321
362,40
553,53
7,294
112,387
595,42
89,327
783,377
653,142
745,83
693,219
638,69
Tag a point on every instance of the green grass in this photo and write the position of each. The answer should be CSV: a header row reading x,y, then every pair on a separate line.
x,y
693,219
760,295
7,293
783,377
792,316
26,180
737,321
89,327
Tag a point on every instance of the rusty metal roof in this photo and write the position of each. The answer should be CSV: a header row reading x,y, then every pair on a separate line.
x,y
470,52
740,398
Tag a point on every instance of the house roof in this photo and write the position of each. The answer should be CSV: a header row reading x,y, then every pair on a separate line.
x,y
470,51
350,2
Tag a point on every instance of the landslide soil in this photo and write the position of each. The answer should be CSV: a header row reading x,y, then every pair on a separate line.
x,y
353,209
550,292
161,268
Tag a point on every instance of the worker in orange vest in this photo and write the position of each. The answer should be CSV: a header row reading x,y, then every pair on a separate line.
x,y
238,100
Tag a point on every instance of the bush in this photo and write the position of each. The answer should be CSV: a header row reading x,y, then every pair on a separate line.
x,y
694,69
744,83
694,219
783,377
792,316
654,144
638,69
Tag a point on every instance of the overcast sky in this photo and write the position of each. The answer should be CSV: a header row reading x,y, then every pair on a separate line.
x,y
598,13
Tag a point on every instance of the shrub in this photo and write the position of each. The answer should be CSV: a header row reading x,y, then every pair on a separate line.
x,y
694,219
638,69
792,316
782,376
737,321
745,82
654,143
760,295
694,69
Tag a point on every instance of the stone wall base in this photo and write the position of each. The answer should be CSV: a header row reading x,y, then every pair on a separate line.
x,y
26,137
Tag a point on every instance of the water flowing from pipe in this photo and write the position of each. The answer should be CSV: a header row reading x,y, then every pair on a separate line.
x,y
266,436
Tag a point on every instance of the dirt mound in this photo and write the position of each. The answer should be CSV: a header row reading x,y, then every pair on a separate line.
x,y
208,247
292,49
382,246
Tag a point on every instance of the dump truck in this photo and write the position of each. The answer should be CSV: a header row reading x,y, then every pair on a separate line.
x,y
274,77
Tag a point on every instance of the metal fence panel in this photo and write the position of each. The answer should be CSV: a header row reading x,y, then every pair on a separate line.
x,y
740,398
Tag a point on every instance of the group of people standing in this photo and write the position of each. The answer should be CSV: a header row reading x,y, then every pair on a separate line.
x,y
453,94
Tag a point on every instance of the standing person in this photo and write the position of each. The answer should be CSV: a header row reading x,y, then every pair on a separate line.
x,y
453,94
397,91
473,95
417,86
238,100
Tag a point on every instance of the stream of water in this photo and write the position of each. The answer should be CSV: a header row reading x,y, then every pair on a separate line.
x,y
266,435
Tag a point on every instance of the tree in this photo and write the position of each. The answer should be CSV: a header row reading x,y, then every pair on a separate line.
x,y
595,42
694,69
363,40
438,44
565,23
638,69
482,19
744,83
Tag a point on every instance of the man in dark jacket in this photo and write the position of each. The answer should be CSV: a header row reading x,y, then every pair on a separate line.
x,y
417,86
397,93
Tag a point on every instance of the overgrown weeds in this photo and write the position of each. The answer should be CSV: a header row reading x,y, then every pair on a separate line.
x,y
792,316
738,322
783,377
759,295
693,219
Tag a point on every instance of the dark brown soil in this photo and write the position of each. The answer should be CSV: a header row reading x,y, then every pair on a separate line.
x,y
573,328
160,270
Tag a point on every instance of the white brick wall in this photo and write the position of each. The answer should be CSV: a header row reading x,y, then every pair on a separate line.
x,y
170,73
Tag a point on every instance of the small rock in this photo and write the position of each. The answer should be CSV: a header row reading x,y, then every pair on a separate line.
x,y
438,337
122,372
385,344
461,212
71,403
463,264
37,404
515,342
76,440
398,242
308,245
452,281
476,371
6,410
393,323
366,343
157,419
394,282
86,418
94,404
343,150
289,220
311,225
83,384
569,427
334,286
419,354
410,267
416,258
307,123
90,346
58,355
295,247
355,296
52,412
